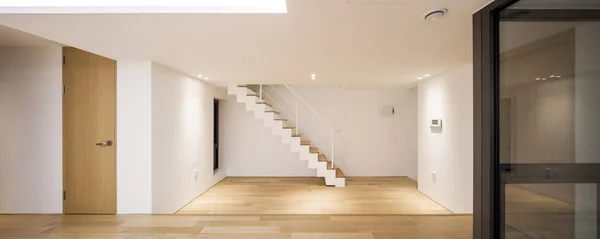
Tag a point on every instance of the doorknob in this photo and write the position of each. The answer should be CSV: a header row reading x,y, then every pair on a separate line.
x,y
105,143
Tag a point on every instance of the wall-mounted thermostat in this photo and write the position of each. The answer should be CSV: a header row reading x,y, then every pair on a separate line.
x,y
437,123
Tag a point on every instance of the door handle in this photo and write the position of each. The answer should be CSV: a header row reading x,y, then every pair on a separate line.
x,y
105,143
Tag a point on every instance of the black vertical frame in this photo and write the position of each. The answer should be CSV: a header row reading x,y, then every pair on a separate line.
x,y
486,184
216,135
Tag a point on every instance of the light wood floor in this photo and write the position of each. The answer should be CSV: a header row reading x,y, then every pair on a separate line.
x,y
235,227
389,195
530,215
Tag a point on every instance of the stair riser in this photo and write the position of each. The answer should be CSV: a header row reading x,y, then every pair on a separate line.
x,y
313,164
340,182
262,107
274,123
286,136
248,99
330,181
295,143
330,173
295,146
266,116
321,169
304,155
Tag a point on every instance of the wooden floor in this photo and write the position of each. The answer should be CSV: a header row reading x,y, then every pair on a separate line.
x,y
530,215
282,208
235,227
361,196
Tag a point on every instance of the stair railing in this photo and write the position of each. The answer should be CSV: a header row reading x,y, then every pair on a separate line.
x,y
296,102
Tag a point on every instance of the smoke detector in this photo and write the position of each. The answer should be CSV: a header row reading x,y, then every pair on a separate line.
x,y
435,14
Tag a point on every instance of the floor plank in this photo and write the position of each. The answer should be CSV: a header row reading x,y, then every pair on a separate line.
x,y
229,227
382,195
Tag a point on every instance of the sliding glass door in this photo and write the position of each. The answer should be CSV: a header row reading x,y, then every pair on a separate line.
x,y
537,119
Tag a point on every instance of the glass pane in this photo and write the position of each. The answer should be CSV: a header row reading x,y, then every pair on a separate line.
x,y
548,211
549,115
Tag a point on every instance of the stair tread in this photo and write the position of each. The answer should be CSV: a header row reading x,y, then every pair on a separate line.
x,y
272,111
305,142
313,150
288,127
252,95
280,119
339,173
264,103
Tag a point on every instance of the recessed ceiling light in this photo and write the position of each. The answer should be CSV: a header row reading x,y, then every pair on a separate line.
x,y
538,78
205,78
543,78
552,76
427,75
313,76
199,75
419,78
558,76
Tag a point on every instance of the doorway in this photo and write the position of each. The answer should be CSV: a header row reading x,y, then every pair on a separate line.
x,y
216,135
89,133
537,88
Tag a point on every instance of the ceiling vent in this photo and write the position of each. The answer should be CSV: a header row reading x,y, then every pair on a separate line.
x,y
378,1
435,14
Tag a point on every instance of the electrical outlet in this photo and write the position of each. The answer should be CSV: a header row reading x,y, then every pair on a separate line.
x,y
196,175
434,177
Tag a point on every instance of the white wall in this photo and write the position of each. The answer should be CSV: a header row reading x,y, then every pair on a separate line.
x,y
250,149
366,144
450,152
134,162
163,134
31,130
182,139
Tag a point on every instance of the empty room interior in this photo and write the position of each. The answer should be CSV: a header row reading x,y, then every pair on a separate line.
x,y
298,119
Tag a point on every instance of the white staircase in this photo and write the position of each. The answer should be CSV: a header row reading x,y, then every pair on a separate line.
x,y
289,134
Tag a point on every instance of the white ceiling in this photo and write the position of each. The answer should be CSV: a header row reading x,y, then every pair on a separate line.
x,y
357,42
13,38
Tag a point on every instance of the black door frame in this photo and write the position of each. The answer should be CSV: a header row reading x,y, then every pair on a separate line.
x,y
487,189
215,135
486,211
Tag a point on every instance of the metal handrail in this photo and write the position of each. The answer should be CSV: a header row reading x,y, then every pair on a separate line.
x,y
296,116
280,94
277,104
309,107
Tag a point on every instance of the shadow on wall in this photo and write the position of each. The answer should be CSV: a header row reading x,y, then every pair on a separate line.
x,y
436,130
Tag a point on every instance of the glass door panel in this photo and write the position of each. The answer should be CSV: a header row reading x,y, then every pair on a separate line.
x,y
549,119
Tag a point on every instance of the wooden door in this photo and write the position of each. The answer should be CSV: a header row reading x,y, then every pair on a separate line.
x,y
89,126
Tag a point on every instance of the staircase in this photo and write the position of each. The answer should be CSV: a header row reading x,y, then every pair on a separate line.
x,y
255,101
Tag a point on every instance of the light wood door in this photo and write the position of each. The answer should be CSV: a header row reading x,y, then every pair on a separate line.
x,y
89,119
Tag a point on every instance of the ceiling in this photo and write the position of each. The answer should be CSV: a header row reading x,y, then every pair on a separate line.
x,y
356,42
13,38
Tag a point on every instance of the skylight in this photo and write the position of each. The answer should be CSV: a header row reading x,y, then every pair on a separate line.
x,y
143,6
